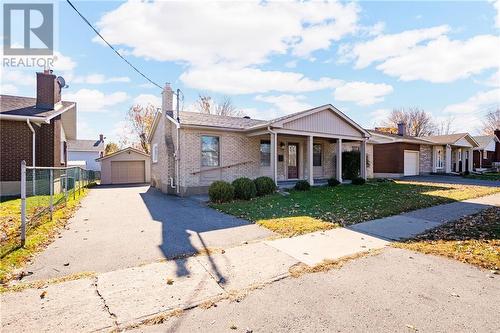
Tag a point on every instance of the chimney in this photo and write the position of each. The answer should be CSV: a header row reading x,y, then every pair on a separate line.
x,y
48,91
401,129
101,137
168,100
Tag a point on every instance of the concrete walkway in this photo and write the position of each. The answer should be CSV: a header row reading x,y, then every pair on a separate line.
x,y
126,296
452,180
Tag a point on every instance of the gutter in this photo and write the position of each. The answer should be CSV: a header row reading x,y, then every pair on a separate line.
x,y
275,154
24,118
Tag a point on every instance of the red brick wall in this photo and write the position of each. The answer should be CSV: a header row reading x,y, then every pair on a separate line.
x,y
47,90
389,158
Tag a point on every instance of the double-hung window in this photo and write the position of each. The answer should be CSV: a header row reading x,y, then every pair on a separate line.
x,y
265,153
317,155
210,150
154,152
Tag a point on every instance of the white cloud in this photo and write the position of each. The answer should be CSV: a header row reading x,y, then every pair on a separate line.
x,y
496,5
362,93
8,89
379,116
92,100
63,63
493,80
240,33
285,104
99,79
252,80
145,99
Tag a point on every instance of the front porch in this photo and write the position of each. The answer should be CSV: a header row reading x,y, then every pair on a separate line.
x,y
452,159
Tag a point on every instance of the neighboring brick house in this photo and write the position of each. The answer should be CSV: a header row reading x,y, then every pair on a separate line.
x,y
488,151
190,150
85,152
35,130
397,155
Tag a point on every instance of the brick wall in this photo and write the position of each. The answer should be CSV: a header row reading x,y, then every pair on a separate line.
x,y
160,170
389,158
425,159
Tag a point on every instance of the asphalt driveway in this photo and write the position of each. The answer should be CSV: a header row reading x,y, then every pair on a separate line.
x,y
126,226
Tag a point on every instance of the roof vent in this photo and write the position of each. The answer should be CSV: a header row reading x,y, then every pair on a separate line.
x,y
246,117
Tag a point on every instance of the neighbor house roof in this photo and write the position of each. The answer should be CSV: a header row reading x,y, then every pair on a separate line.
x,y
86,145
484,140
211,120
451,139
400,138
121,151
26,107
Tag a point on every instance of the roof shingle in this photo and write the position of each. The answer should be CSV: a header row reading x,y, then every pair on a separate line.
x,y
26,106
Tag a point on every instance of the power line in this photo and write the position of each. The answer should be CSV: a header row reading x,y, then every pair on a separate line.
x,y
111,46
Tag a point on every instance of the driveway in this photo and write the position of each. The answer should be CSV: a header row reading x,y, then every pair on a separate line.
x,y
452,180
126,226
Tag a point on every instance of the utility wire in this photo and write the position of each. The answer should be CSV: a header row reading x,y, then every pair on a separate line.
x,y
111,46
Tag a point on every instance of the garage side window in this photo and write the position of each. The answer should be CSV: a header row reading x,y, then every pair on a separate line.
x,y
154,153
210,151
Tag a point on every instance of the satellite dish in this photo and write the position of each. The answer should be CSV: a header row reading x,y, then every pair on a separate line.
x,y
61,82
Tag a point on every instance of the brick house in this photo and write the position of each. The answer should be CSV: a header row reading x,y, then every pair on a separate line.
x,y
190,150
488,151
35,130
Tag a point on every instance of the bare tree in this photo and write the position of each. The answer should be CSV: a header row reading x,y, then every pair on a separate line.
x,y
224,107
418,122
140,120
444,126
491,121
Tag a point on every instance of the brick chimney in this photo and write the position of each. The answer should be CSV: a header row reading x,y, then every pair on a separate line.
x,y
401,129
101,137
48,91
168,100
497,146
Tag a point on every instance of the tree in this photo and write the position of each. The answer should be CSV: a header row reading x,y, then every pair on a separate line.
x,y
110,148
140,119
418,122
445,126
224,107
491,121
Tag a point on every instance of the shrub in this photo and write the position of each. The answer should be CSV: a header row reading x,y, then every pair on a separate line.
x,y
221,191
351,163
264,185
466,173
244,188
333,182
358,181
302,185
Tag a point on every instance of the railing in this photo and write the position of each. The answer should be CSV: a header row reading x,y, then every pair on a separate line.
x,y
220,167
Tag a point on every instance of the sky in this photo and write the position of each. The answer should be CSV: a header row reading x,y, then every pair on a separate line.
x,y
275,58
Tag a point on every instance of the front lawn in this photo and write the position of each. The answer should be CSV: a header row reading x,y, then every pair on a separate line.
x,y
350,204
473,239
486,176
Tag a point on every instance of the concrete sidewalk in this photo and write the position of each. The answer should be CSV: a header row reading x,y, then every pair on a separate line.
x,y
126,296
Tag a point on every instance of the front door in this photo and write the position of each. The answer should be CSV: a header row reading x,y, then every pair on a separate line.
x,y
293,161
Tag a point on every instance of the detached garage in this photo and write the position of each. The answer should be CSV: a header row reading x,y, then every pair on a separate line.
x,y
126,166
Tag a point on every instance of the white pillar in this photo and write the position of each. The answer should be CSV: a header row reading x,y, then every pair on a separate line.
x,y
447,158
338,149
310,159
274,153
362,153
434,159
471,160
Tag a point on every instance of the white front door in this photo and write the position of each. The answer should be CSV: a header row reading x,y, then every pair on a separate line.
x,y
411,163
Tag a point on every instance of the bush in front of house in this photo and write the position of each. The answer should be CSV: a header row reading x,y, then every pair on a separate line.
x,y
244,188
333,182
264,185
302,185
221,191
358,181
351,162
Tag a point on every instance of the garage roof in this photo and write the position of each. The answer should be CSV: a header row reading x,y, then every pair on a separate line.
x,y
121,151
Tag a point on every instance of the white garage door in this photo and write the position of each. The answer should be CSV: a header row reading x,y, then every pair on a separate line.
x,y
411,163
126,172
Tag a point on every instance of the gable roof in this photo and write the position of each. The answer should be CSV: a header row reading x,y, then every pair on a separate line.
x,y
484,140
25,107
212,120
400,138
121,151
85,145
451,139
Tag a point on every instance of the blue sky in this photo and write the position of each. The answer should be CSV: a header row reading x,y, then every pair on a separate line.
x,y
366,58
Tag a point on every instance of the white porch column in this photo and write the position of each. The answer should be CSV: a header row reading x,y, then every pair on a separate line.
x,y
362,155
310,159
274,156
434,159
471,160
447,158
339,160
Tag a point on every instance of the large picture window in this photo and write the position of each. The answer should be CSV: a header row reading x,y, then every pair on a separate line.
x,y
317,155
210,151
265,153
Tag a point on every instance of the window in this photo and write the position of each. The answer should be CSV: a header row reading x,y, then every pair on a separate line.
x,y
209,151
154,153
317,155
485,155
265,153
439,159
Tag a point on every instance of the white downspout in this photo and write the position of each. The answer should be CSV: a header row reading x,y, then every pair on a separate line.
x,y
275,153
33,152
177,150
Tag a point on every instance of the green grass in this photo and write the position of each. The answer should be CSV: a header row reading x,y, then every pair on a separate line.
x,y
350,204
486,176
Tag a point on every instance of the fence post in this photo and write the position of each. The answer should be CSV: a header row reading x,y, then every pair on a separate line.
x,y
74,183
79,181
66,187
51,188
23,203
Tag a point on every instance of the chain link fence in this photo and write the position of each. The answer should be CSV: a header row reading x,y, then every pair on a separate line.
x,y
45,189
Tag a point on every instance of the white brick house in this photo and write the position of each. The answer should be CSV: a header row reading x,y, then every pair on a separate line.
x,y
191,150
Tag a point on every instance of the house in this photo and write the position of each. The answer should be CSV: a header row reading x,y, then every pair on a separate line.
x,y
191,150
35,130
397,155
488,150
125,166
85,152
